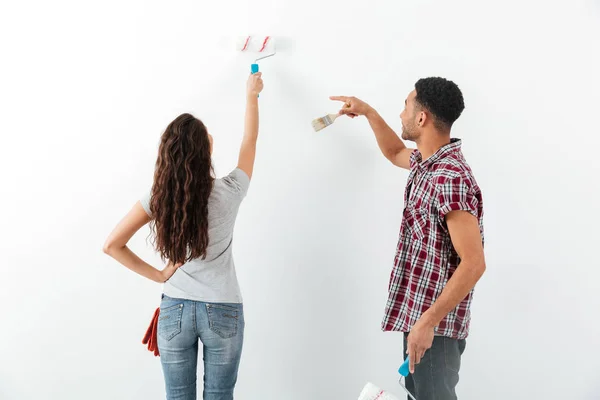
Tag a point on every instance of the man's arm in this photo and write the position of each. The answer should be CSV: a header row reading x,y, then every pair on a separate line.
x,y
466,238
390,144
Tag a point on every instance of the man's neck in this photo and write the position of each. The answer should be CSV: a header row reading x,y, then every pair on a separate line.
x,y
430,144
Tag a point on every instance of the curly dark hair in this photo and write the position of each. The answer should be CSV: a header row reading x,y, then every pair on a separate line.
x,y
442,98
183,181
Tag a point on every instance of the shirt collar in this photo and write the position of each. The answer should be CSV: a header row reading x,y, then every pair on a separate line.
x,y
443,151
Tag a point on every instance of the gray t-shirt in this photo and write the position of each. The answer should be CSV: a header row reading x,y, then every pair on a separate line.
x,y
213,280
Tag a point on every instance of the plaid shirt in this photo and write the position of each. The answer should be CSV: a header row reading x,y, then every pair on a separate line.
x,y
425,258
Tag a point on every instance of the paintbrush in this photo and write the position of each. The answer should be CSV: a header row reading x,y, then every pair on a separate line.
x,y
324,122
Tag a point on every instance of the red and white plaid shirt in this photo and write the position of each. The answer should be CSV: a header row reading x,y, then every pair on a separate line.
x,y
425,258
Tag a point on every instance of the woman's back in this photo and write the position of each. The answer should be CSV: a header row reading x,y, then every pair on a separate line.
x,y
213,279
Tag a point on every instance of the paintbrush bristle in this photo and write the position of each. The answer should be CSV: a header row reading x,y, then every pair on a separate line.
x,y
323,122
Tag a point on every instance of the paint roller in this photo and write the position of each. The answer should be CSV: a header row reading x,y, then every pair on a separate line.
x,y
372,392
260,47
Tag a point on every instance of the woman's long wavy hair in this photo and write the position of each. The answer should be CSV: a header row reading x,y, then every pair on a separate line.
x,y
183,180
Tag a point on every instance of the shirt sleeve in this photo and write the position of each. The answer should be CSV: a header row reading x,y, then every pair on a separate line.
x,y
145,201
457,194
238,182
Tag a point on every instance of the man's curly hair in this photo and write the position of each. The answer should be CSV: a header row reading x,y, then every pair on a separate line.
x,y
442,98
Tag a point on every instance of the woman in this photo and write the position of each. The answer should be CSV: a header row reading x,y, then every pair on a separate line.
x,y
192,216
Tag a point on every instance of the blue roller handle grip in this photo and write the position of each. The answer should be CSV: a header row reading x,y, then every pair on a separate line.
x,y
403,370
254,69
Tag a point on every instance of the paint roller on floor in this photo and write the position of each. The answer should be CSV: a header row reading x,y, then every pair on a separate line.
x,y
372,392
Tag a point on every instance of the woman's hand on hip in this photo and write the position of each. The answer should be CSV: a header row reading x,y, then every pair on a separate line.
x,y
169,270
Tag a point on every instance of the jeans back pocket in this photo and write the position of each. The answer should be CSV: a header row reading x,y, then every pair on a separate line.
x,y
169,321
223,319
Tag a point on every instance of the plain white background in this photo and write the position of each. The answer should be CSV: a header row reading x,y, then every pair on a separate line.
x,y
87,88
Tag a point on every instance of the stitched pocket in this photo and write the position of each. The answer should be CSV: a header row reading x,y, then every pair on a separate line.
x,y
452,354
223,319
169,321
417,219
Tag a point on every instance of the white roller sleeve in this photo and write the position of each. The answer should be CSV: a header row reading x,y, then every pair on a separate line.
x,y
372,392
256,44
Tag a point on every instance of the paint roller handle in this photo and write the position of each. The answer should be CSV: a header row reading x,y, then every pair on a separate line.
x,y
254,69
403,370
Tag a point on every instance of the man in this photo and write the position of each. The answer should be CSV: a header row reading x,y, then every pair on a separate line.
x,y
440,251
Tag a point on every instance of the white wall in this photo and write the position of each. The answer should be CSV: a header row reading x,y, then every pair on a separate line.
x,y
86,89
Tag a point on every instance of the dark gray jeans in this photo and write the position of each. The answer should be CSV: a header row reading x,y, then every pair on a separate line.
x,y
436,376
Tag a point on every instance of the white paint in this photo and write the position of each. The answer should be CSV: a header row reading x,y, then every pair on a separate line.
x,y
372,392
258,45
87,88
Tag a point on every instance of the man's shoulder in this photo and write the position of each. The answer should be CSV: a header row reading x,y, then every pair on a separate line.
x,y
452,169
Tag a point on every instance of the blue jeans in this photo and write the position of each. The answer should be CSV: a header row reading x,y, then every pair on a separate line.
x,y
436,376
220,328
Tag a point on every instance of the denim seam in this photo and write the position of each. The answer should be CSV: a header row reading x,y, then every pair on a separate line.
x,y
445,353
431,368
166,309
194,318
